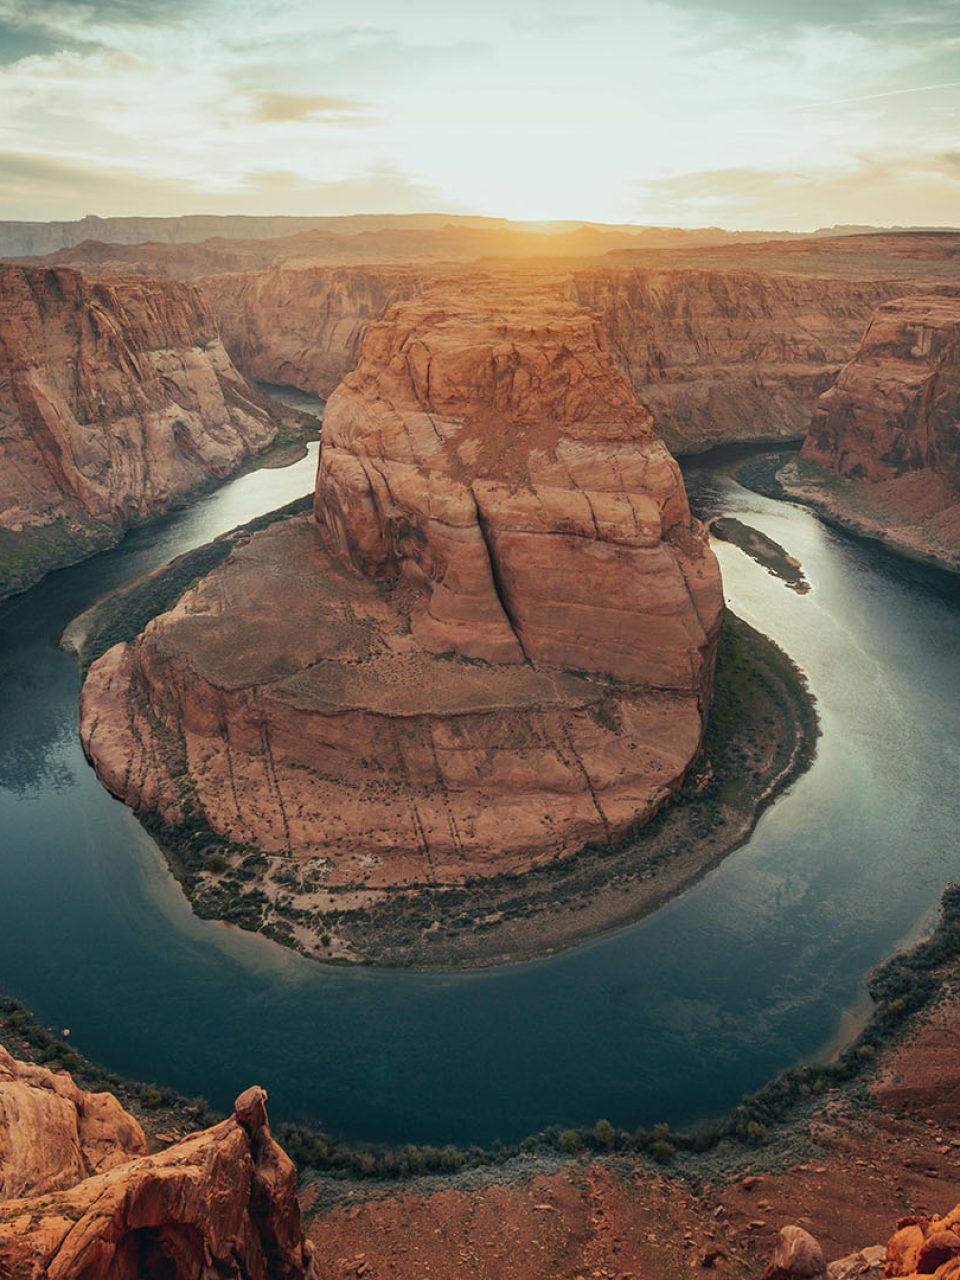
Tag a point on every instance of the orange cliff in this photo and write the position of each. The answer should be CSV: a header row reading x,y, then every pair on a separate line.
x,y
716,355
117,399
721,356
722,342
302,326
883,453
494,645
81,1199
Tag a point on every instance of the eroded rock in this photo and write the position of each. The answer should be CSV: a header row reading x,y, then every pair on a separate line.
x,y
53,1134
883,451
219,1203
796,1256
117,399
495,644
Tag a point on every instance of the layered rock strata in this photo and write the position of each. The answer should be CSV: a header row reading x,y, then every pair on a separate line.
x,y
717,356
724,356
219,1203
116,399
302,326
888,432
493,645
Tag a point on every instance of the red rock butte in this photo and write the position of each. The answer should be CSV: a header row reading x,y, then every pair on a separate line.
x,y
493,645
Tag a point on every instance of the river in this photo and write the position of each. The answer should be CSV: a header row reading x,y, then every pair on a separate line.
x,y
759,966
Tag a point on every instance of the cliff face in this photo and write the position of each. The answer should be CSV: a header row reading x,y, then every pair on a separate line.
x,y
302,327
495,644
721,356
883,452
116,400
716,355
550,510
80,1199
895,408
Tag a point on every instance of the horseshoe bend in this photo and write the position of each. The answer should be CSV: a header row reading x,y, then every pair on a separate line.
x,y
491,644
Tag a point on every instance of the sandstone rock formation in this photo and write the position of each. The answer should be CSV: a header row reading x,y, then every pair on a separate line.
x,y
891,427
797,1256
53,1134
721,356
925,1245
722,339
896,406
494,646
116,399
717,356
219,1203
302,326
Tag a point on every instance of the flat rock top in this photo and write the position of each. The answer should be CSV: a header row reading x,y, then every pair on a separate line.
x,y
284,613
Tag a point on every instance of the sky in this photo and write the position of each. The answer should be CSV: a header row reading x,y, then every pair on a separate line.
x,y
742,113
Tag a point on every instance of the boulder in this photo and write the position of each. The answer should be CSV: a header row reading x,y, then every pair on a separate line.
x,y
796,1256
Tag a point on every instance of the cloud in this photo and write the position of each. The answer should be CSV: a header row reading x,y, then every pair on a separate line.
x,y
45,186
65,14
846,14
287,108
889,190
34,187
18,42
752,112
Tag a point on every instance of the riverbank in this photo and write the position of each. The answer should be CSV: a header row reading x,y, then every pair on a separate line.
x,y
847,1148
122,614
913,516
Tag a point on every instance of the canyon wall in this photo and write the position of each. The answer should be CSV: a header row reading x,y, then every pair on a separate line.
x,y
716,355
722,356
883,452
80,1198
117,399
895,407
303,326
494,645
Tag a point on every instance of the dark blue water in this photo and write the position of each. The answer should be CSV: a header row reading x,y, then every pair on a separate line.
x,y
759,966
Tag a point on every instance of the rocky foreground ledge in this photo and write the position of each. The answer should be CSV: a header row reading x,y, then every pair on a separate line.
x,y
80,1198
493,645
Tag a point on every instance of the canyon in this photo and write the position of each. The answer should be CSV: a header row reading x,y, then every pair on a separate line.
x,y
490,645
723,339
117,400
717,355
493,643
883,452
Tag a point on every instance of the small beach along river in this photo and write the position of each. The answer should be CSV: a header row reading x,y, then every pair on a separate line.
x,y
762,964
